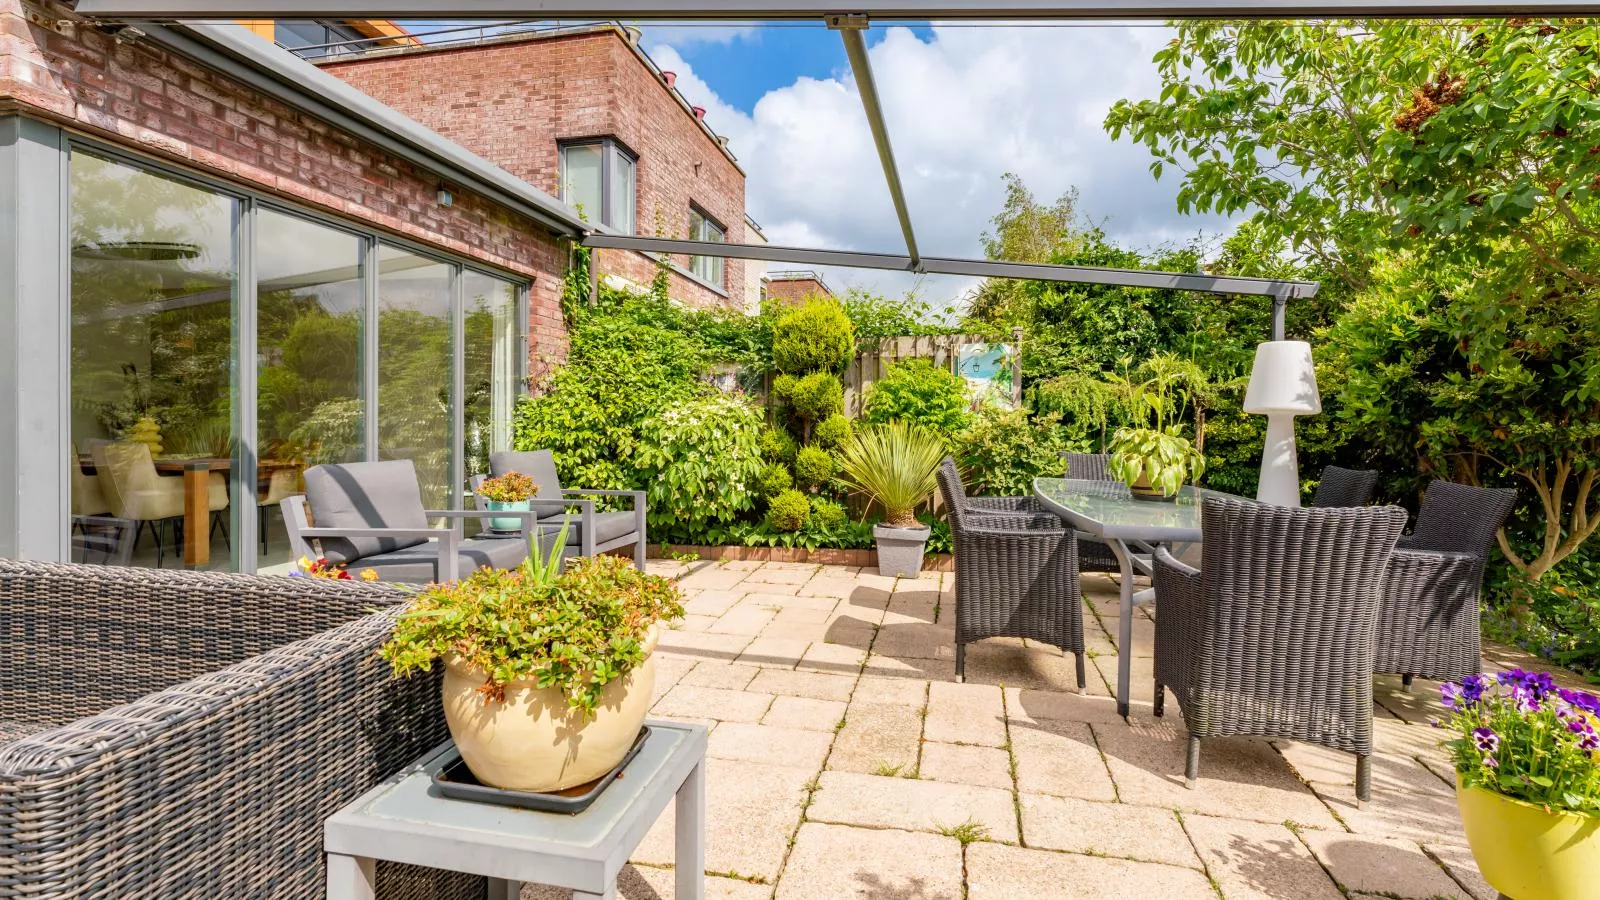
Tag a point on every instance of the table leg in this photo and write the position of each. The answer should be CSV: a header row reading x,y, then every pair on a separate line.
x,y
1124,624
350,878
196,515
689,859
502,889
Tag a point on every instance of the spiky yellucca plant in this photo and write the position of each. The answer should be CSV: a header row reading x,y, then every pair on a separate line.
x,y
894,464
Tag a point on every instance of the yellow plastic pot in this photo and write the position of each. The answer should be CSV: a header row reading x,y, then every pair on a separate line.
x,y
1526,853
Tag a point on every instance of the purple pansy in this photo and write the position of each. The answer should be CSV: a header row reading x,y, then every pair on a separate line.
x,y
1582,700
1450,695
1533,685
1486,740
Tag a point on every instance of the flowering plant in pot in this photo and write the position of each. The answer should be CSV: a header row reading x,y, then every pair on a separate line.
x,y
548,671
1528,782
895,465
1152,456
511,491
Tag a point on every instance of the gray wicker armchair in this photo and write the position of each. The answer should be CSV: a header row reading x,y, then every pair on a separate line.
x,y
1093,555
1345,487
185,734
1016,576
1428,623
1273,635
987,506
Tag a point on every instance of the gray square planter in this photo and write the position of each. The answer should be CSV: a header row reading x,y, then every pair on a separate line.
x,y
900,550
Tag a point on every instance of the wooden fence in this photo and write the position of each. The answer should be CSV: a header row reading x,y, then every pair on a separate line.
x,y
868,367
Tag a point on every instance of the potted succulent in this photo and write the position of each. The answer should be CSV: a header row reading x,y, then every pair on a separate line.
x,y
1152,456
511,491
548,672
1528,782
896,466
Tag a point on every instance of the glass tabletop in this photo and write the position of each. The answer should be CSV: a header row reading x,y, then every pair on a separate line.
x,y
1108,509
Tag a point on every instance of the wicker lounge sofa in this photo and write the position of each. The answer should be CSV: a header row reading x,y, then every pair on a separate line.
x,y
184,734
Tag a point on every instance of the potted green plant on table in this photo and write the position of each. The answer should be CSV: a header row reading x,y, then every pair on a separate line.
x,y
896,466
1528,782
511,491
1152,456
548,672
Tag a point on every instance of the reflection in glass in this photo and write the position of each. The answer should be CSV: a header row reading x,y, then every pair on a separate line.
x,y
414,363
493,353
308,334
153,275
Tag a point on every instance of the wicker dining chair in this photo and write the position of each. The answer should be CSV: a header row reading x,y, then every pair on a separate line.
x,y
1016,576
1273,635
1093,555
986,506
1345,487
1428,622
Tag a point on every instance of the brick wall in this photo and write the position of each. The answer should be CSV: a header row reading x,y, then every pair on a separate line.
x,y
513,100
791,291
141,97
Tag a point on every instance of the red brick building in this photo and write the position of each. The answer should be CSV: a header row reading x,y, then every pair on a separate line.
x,y
792,286
583,114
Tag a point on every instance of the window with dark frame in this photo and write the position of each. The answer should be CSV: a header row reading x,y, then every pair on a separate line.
x,y
710,269
599,178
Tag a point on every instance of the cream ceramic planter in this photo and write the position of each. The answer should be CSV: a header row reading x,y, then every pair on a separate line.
x,y
533,741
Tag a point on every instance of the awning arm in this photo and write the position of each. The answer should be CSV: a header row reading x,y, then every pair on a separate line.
x,y
850,28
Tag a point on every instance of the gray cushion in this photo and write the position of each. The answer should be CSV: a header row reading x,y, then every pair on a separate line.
x,y
539,465
420,564
608,526
365,495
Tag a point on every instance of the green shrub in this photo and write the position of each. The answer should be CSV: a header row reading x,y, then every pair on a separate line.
x,y
817,396
700,461
919,393
778,446
1002,451
832,433
789,511
815,337
827,514
775,479
813,467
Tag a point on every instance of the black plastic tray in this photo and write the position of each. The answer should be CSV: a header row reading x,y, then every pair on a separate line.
x,y
456,781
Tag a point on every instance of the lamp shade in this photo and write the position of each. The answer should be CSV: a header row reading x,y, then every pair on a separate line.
x,y
1283,380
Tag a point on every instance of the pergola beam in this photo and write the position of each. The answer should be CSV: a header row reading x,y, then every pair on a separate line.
x,y
981,268
850,29
817,10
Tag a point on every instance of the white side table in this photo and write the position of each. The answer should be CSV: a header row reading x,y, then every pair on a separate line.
x,y
404,820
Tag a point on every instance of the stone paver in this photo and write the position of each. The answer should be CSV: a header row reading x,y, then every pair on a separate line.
x,y
998,872
877,801
833,862
805,713
1106,829
963,764
770,744
1102,804
966,714
1377,865
652,883
1258,860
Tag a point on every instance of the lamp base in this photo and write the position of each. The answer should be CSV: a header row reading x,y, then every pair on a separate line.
x,y
1280,467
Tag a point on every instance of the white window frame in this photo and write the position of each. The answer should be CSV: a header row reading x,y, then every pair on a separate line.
x,y
713,270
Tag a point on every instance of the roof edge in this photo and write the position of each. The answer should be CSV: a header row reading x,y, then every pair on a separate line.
x,y
269,68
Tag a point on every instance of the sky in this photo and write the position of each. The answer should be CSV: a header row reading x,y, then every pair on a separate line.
x,y
964,106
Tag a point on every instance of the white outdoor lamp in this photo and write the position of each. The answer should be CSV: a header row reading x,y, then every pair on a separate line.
x,y
1283,384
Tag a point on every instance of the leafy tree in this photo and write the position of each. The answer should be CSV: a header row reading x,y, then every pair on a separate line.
x,y
701,461
918,392
1024,230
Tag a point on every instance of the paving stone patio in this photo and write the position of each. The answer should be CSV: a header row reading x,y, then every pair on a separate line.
x,y
846,762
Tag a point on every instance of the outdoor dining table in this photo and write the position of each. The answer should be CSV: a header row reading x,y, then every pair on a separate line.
x,y
1107,511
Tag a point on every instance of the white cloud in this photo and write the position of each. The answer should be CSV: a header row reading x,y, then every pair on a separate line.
x,y
687,35
963,107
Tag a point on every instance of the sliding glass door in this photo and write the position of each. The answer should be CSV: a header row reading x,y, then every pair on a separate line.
x,y
359,349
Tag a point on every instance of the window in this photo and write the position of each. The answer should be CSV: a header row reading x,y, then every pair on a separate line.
x,y
598,178
703,228
310,40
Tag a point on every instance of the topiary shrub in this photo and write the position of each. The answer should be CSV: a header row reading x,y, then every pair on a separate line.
x,y
815,337
789,511
918,392
827,514
817,396
832,433
775,479
813,467
778,446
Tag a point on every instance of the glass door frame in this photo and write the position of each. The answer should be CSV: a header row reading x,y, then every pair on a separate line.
x,y
243,523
